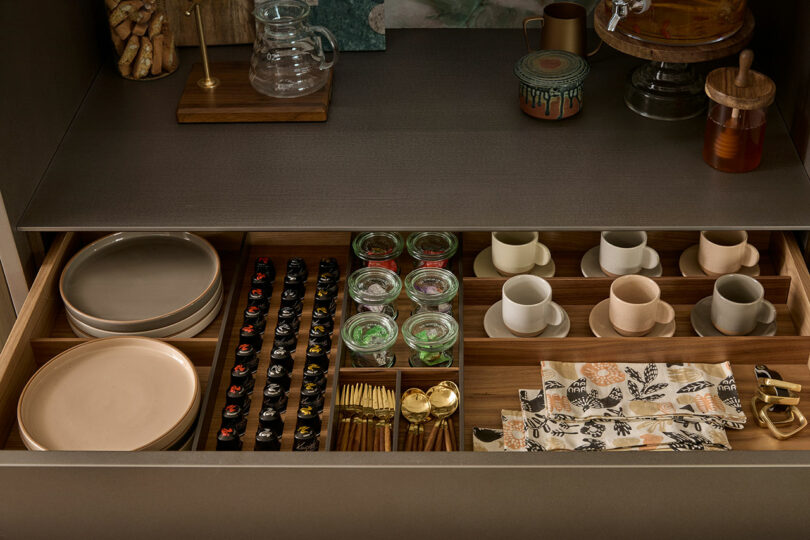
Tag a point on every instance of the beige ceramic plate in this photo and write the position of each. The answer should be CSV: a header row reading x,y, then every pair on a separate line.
x,y
495,327
590,266
599,321
483,267
184,329
131,282
125,393
689,266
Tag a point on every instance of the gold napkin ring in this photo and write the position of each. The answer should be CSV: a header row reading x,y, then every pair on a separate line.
x,y
767,394
763,418
788,418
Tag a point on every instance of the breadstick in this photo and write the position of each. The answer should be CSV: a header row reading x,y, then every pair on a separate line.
x,y
112,4
124,29
169,52
141,16
131,49
157,56
118,43
124,10
144,59
156,23
140,29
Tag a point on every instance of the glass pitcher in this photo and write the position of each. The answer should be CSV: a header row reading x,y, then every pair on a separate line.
x,y
288,58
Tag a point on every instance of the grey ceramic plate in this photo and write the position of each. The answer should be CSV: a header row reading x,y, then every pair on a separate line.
x,y
132,282
599,321
483,267
186,328
590,266
495,328
689,266
701,318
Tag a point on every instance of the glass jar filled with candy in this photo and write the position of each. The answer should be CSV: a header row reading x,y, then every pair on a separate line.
x,y
431,289
431,337
379,249
432,249
375,290
369,337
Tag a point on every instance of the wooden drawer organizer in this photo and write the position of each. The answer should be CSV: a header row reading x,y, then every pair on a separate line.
x,y
489,371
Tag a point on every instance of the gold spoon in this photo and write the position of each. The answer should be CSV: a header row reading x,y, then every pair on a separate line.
x,y
416,409
450,428
443,403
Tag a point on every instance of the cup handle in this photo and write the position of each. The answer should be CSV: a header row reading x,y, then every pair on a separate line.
x,y
555,314
330,37
751,256
526,22
665,313
767,313
649,258
542,255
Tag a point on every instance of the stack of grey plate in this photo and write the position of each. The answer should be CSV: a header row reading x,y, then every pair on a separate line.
x,y
156,285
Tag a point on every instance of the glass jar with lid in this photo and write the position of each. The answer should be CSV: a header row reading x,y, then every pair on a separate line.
x,y
379,249
431,337
432,249
375,290
431,289
369,338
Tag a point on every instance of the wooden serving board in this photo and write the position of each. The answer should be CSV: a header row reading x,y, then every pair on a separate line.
x,y
235,100
227,22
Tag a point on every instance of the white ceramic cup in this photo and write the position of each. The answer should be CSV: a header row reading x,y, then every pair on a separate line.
x,y
725,252
518,252
527,307
738,305
636,307
625,252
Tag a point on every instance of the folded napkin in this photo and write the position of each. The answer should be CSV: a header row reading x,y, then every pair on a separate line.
x,y
544,433
598,390
487,440
514,432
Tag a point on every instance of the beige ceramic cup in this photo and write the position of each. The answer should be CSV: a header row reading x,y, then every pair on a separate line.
x,y
725,252
738,305
636,306
527,307
625,252
518,252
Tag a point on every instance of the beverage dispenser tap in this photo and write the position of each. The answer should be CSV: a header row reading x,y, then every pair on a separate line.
x,y
622,8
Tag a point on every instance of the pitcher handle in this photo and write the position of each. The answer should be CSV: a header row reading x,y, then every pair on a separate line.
x,y
526,22
330,37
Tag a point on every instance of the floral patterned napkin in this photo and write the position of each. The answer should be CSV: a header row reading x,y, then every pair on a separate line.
x,y
514,432
544,433
600,390
487,440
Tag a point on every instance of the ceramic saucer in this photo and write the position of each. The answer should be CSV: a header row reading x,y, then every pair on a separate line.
x,y
599,321
590,266
689,266
483,267
701,317
495,328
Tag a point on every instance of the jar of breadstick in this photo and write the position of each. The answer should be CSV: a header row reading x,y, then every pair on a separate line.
x,y
144,43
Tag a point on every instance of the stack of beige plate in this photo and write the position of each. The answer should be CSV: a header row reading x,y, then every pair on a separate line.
x,y
143,284
126,393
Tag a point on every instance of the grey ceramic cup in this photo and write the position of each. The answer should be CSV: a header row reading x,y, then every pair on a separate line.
x,y
625,252
738,305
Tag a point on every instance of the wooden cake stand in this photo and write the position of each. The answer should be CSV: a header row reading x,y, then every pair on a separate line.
x,y
668,87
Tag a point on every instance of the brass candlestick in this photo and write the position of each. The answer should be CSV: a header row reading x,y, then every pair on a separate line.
x,y
208,82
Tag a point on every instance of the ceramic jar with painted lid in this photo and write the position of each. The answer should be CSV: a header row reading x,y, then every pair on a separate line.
x,y
551,84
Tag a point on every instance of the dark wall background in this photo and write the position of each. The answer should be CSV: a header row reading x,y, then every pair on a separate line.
x,y
49,54
782,44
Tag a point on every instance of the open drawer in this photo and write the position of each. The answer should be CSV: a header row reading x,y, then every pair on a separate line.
x,y
488,371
